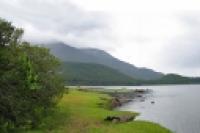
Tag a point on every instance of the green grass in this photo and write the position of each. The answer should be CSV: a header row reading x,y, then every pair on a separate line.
x,y
80,112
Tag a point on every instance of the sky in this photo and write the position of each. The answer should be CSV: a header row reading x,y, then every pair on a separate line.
x,y
163,35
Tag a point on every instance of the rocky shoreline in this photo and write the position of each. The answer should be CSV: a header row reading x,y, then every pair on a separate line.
x,y
120,96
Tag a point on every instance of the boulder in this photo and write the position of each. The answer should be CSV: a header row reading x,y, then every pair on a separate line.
x,y
127,118
141,90
139,95
123,118
115,102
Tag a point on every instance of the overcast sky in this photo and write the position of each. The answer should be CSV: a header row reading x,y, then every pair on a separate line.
x,y
160,34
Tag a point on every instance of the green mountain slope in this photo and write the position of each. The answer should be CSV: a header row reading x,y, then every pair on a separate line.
x,y
176,79
96,67
67,53
93,74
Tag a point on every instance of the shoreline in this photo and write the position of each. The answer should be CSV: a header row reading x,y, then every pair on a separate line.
x,y
119,97
124,86
86,111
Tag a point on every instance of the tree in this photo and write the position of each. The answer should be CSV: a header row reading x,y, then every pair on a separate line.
x,y
29,81
8,33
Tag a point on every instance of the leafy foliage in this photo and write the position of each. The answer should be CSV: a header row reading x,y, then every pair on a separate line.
x,y
8,33
29,82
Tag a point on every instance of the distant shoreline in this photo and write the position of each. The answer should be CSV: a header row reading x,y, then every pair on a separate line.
x,y
123,86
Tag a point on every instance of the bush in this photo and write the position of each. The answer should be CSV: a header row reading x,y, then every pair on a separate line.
x,y
29,81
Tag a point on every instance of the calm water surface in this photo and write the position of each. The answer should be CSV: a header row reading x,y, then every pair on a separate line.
x,y
176,107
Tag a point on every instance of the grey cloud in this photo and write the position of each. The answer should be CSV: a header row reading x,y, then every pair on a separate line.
x,y
184,51
55,20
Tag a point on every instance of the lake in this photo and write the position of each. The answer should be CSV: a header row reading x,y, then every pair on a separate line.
x,y
176,107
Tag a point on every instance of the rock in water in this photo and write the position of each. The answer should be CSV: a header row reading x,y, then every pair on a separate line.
x,y
152,102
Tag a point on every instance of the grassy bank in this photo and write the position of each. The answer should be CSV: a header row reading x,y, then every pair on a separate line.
x,y
83,112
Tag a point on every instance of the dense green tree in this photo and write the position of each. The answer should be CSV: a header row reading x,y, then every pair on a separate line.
x,y
9,34
29,80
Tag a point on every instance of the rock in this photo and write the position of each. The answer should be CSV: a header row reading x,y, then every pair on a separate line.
x,y
115,102
115,120
125,100
140,90
123,118
139,95
127,118
111,118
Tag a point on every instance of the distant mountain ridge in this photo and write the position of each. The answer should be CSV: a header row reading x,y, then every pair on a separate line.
x,y
68,53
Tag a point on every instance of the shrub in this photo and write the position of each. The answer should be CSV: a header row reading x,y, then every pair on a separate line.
x,y
29,81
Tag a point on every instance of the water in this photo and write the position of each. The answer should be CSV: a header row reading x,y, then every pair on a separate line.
x,y
176,107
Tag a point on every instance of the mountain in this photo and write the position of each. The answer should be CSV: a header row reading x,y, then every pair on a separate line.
x,y
96,67
93,74
71,54
175,79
